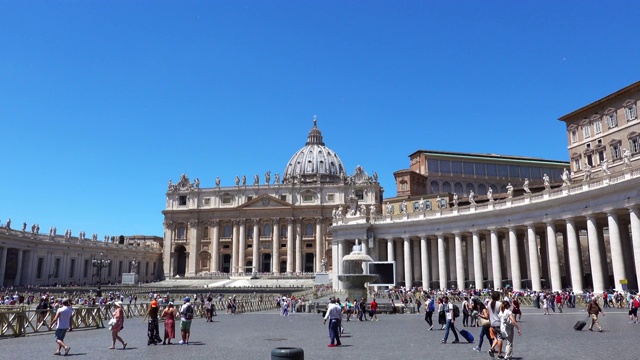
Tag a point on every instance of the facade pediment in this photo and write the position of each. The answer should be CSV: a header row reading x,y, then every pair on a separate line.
x,y
265,201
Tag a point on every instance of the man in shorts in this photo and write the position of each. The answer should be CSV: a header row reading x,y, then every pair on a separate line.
x,y
374,310
62,319
185,321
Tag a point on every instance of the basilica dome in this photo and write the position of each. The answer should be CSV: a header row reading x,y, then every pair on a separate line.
x,y
314,162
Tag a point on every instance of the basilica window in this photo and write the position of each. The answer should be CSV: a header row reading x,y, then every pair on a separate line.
x,y
205,232
360,194
283,231
330,197
307,198
482,189
250,232
226,199
226,231
470,188
206,201
283,197
266,230
182,200
446,187
458,189
182,233
308,229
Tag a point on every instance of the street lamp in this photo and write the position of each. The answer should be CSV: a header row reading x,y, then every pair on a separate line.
x,y
99,264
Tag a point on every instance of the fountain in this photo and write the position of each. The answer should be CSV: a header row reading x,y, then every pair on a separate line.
x,y
353,275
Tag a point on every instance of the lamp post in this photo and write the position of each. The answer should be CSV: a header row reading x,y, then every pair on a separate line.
x,y
99,264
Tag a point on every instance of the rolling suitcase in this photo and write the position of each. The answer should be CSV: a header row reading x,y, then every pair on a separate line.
x,y
467,335
580,325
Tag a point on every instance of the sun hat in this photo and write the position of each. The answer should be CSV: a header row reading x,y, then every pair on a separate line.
x,y
118,303
154,303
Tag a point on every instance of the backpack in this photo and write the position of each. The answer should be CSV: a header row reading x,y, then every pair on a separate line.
x,y
636,303
188,313
456,311
432,306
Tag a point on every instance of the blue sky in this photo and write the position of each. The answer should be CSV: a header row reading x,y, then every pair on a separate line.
x,y
102,102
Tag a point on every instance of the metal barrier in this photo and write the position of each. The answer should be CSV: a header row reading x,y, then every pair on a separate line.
x,y
20,320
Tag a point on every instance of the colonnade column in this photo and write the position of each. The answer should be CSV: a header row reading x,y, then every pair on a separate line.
x,y
634,214
334,263
256,246
459,261
424,262
234,248
554,262
3,264
215,251
289,246
534,269
299,250
442,262
496,265
408,278
193,248
340,256
575,263
617,257
477,260
319,244
514,255
275,258
242,247
594,255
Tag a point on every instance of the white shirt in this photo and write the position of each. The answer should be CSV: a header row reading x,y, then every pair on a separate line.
x,y
493,315
334,311
64,317
448,308
182,309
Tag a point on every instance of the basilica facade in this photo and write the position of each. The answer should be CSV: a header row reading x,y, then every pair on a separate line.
x,y
582,233
273,224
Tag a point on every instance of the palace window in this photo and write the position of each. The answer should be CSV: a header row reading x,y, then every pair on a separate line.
x,y
182,200
586,129
574,135
403,185
576,164
615,151
597,126
612,120
601,155
631,112
634,144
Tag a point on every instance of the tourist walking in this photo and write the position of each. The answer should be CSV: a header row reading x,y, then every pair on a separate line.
x,y
494,318
483,322
118,316
374,310
593,309
429,309
362,310
507,323
450,321
62,319
466,311
208,306
334,315
153,331
169,314
186,315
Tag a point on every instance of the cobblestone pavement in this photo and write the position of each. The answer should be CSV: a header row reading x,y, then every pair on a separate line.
x,y
253,336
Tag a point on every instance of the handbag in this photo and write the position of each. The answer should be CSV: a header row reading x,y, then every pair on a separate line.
x,y
111,323
484,322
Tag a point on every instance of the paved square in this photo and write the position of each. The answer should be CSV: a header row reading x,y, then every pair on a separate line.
x,y
253,336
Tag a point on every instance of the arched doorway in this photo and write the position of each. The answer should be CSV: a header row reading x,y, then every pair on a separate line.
x,y
181,260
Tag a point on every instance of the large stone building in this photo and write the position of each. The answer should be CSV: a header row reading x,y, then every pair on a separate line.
x,y
583,234
36,259
277,225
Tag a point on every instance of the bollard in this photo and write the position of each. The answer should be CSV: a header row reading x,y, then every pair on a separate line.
x,y
289,353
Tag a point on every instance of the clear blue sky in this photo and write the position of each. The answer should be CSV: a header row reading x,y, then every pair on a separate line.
x,y
102,102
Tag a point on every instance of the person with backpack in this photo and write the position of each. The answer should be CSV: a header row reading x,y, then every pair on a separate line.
x,y
430,307
186,315
450,314
634,304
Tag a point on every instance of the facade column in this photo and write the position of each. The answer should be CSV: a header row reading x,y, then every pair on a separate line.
x,y
256,246
234,248
459,261
242,247
193,248
390,252
514,254
275,258
215,247
299,252
534,270
340,256
634,215
477,261
575,263
617,257
319,245
424,262
334,264
468,240
442,262
496,265
169,266
594,255
290,246
408,267
554,262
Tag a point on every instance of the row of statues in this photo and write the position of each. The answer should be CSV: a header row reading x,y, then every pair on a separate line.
x,y
53,231
339,212
256,179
